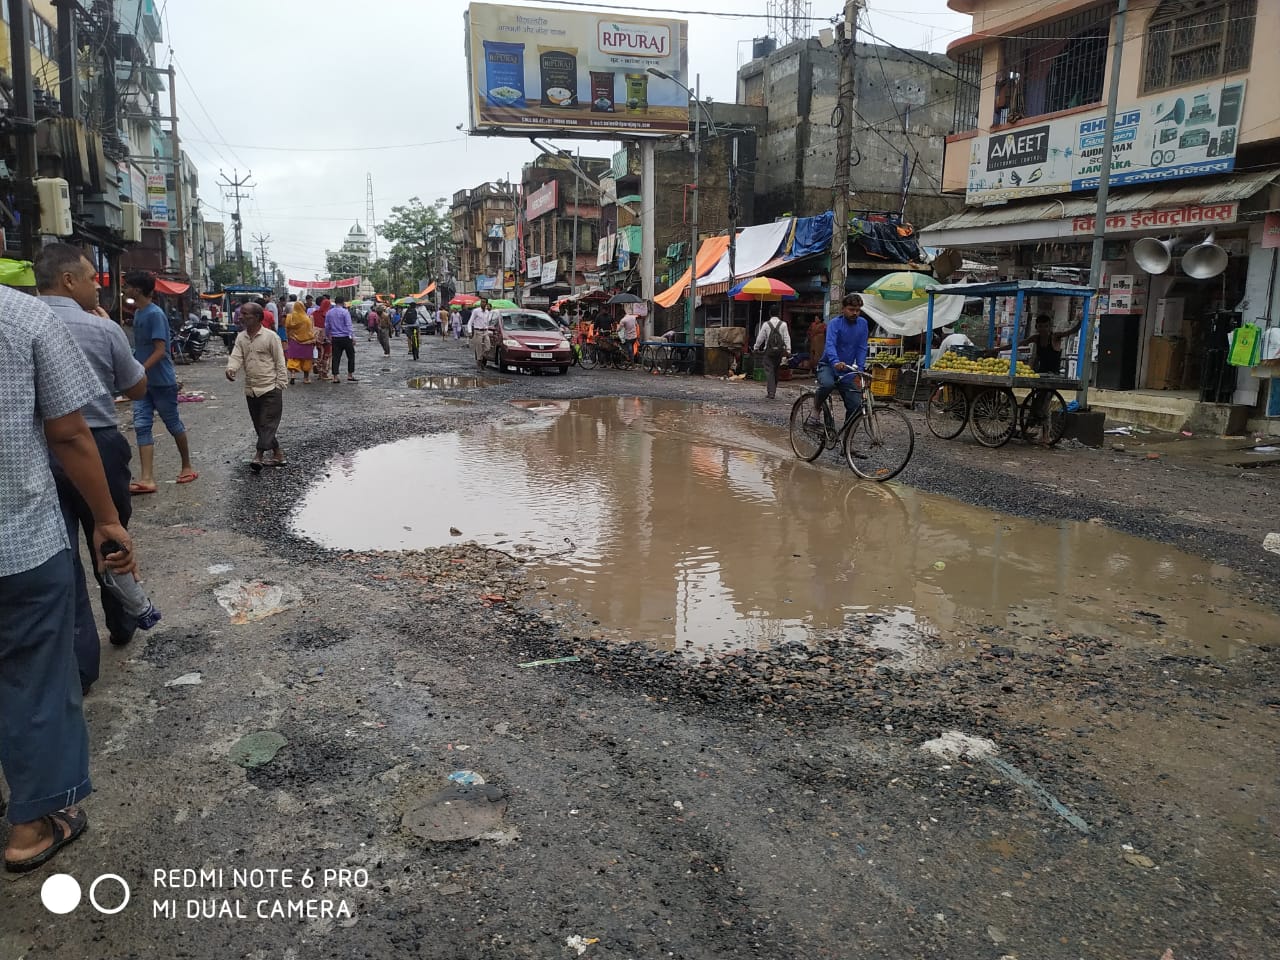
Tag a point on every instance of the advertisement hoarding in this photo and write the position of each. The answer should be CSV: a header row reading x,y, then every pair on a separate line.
x,y
575,71
540,201
1189,132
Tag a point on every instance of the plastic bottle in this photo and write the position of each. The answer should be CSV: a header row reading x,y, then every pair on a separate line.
x,y
129,592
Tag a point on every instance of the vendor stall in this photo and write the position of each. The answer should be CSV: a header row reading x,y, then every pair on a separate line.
x,y
979,393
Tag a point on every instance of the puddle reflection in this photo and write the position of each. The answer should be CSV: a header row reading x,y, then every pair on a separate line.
x,y
690,525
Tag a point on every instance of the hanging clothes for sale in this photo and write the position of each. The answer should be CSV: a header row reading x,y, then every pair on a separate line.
x,y
1246,345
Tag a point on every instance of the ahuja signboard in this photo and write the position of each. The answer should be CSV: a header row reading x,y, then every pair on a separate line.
x,y
1181,133
575,71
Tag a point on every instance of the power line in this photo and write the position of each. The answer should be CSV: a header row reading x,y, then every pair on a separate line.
x,y
386,146
690,13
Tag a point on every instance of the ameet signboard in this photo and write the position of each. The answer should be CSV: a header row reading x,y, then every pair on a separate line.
x,y
1190,132
575,71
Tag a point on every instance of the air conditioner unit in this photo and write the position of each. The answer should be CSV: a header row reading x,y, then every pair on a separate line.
x,y
55,207
131,226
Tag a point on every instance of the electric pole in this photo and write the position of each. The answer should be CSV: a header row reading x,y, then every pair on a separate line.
x,y
847,102
235,183
262,242
178,203
23,118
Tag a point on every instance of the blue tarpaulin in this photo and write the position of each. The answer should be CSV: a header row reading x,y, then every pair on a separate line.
x,y
812,235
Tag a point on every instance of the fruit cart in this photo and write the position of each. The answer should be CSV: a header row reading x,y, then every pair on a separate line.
x,y
980,393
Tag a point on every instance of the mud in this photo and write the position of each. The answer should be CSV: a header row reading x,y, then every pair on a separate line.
x,y
697,529
769,803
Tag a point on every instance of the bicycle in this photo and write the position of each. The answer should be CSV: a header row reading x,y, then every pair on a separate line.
x,y
877,443
1044,413
412,335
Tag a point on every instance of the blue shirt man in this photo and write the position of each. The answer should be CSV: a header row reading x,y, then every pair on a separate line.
x,y
844,352
149,325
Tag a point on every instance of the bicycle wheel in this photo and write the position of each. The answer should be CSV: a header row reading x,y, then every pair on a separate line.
x,y
947,411
1055,412
587,356
994,417
808,435
879,445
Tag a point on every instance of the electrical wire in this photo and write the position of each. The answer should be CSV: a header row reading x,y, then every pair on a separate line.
x,y
689,13
387,146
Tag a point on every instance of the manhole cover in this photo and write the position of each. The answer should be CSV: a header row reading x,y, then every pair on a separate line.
x,y
459,813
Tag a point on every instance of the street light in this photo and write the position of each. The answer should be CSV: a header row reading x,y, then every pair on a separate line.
x,y
693,213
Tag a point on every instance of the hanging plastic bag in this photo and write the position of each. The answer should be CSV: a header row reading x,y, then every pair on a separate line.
x,y
1246,346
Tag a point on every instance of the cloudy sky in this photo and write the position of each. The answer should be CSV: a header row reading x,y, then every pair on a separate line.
x,y
312,96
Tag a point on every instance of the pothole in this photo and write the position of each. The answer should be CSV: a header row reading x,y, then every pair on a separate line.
x,y
691,527
451,382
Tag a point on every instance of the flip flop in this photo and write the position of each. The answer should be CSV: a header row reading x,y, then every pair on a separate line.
x,y
66,827
140,489
188,477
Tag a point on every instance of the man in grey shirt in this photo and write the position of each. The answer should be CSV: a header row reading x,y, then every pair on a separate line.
x,y
44,745
68,284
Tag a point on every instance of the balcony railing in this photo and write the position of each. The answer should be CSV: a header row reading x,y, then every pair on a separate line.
x,y
1053,66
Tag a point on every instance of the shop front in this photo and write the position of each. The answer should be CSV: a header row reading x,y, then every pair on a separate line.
x,y
1182,267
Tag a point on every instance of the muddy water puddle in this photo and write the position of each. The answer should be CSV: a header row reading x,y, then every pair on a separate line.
x,y
689,526
451,382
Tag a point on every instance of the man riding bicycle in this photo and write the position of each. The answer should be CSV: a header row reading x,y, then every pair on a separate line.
x,y
845,352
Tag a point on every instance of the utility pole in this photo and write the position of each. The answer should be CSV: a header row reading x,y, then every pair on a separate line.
x,y
733,216
178,202
573,260
23,118
693,211
235,183
262,242
847,103
1084,367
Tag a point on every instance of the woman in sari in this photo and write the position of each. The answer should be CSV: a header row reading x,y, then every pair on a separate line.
x,y
301,345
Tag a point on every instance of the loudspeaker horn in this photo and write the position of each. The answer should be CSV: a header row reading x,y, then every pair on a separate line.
x,y
1152,255
1176,114
1205,260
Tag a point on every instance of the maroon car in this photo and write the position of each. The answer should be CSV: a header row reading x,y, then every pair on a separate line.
x,y
522,338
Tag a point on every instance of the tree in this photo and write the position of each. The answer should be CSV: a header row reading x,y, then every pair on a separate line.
x,y
421,237
341,265
227,273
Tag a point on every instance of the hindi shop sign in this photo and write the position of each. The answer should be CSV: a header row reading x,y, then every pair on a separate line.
x,y
533,267
1159,221
549,270
576,71
1173,135
157,198
543,200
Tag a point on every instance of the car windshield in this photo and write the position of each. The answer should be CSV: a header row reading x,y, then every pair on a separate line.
x,y
538,322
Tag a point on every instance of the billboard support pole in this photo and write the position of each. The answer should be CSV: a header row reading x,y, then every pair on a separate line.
x,y
1100,216
647,203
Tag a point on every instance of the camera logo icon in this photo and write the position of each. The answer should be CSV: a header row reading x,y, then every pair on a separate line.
x,y
61,893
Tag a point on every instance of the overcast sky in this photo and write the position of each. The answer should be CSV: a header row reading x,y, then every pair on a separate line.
x,y
285,88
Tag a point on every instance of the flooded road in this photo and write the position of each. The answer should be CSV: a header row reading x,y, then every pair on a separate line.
x,y
449,382
688,526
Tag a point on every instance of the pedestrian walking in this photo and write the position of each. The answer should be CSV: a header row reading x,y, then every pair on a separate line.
x,y
324,346
773,343
397,320
481,315
259,354
302,343
337,324
151,348
455,323
44,744
628,334
271,314
382,323
68,285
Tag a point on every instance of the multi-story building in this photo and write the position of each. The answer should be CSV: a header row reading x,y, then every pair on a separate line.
x,y
481,218
903,115
352,256
560,225
1194,157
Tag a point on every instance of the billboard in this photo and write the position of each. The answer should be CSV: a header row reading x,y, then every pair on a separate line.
x,y
574,71
543,200
1188,132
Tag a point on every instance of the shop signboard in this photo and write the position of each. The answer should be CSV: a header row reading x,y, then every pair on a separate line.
x,y
533,267
543,200
1271,231
575,72
1188,132
157,198
549,270
1192,215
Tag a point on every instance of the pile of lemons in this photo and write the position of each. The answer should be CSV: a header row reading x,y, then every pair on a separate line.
x,y
987,366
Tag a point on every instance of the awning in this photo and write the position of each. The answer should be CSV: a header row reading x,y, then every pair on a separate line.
x,y
709,254
171,288
756,247
1202,203
425,291
722,286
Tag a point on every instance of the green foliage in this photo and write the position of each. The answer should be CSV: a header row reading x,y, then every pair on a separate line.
x,y
227,273
421,236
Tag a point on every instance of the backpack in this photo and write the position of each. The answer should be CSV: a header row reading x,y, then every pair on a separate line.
x,y
774,344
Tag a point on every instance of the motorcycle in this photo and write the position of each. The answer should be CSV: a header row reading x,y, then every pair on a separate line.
x,y
191,341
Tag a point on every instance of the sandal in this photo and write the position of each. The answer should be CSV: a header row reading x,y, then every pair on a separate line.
x,y
66,826
188,477
138,489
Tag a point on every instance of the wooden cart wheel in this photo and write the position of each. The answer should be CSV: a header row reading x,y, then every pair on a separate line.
x,y
1031,422
993,416
947,411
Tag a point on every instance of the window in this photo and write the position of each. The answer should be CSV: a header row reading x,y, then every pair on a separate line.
x,y
42,36
1053,66
1192,40
968,88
